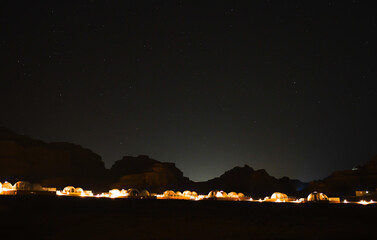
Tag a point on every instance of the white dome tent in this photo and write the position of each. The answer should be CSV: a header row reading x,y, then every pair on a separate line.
x,y
68,190
217,194
241,195
79,191
72,191
133,192
23,186
317,197
144,193
187,193
6,186
233,195
114,193
279,197
169,193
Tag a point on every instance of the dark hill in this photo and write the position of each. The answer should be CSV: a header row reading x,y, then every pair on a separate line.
x,y
145,173
132,165
62,164
51,164
245,179
348,181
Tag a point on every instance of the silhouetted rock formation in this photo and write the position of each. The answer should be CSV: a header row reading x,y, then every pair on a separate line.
x,y
52,164
245,179
145,173
62,164
348,181
132,165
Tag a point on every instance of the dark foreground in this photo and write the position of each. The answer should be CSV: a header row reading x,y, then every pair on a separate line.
x,y
33,217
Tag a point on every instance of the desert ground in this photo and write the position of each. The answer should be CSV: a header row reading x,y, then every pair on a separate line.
x,y
50,217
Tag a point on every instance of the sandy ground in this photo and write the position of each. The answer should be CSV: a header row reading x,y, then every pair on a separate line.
x,y
33,217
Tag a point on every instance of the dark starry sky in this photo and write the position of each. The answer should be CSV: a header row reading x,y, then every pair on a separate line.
x,y
289,86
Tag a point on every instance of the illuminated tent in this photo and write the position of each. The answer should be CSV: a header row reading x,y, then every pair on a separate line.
x,y
23,186
279,196
241,195
88,193
79,190
233,195
114,193
217,194
104,195
133,192
123,192
194,194
1,187
178,193
169,193
69,189
6,186
317,197
144,193
187,193
213,194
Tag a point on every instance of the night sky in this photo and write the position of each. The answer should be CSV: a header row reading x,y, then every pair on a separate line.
x,y
288,86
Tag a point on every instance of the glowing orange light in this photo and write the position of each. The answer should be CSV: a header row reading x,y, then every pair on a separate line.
x,y
363,202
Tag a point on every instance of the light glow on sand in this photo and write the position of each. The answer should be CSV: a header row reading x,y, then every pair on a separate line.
x,y
7,188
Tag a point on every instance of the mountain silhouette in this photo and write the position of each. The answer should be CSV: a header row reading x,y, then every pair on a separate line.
x,y
60,164
346,182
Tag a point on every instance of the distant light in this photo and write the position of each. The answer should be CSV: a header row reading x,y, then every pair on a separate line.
x,y
363,202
